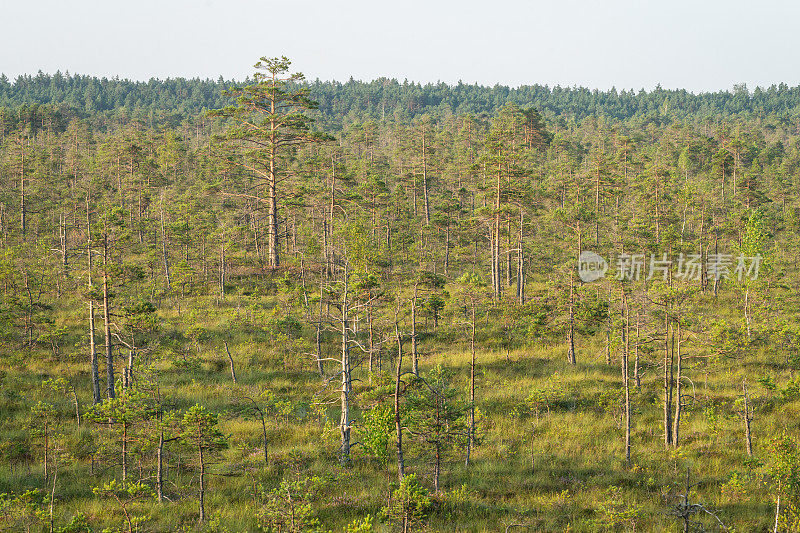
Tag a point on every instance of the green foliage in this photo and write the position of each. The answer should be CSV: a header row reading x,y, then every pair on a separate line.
x,y
376,432
289,507
615,511
783,469
200,428
360,525
125,496
77,524
409,506
24,511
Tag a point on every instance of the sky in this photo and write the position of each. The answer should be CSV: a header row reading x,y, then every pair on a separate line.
x,y
698,45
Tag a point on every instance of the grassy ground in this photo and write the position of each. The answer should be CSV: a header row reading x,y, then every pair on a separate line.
x,y
550,465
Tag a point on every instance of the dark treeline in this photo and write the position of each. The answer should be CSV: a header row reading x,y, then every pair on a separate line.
x,y
390,99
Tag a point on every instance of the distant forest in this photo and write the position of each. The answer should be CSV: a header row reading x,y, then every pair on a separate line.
x,y
395,101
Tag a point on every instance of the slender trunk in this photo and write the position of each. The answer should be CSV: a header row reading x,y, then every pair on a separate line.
x,y
667,384
344,423
96,394
597,207
747,419
425,183
747,310
46,449
437,467
571,334
397,422
264,435
636,375
471,441
222,265
160,467
124,457
272,198
498,289
202,482
53,494
508,252
62,233
446,250
414,354
23,210
107,323
230,359
164,247
77,406
676,424
520,264
625,380
318,341
371,339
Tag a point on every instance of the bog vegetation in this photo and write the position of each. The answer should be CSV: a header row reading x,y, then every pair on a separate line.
x,y
306,306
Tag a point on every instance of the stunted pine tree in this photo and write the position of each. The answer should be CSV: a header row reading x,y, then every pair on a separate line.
x,y
269,121
201,432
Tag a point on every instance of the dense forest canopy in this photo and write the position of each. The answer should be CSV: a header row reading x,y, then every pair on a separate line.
x,y
389,99
321,306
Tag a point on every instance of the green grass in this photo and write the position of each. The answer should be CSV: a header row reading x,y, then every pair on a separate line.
x,y
551,472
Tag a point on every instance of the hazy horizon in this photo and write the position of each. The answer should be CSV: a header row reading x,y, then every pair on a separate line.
x,y
626,44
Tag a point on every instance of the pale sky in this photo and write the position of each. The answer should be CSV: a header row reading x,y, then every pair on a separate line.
x,y
698,45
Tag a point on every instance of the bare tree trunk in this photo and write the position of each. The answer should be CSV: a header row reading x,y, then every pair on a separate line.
x,y
571,335
414,353
471,440
107,323
164,247
344,422
371,339
397,422
202,484
160,467
222,265
747,419
23,210
425,182
264,435
508,251
446,249
124,455
597,207
747,310
676,423
520,263
318,340
272,198
667,383
62,233
636,376
96,395
230,358
625,380
498,288
437,467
